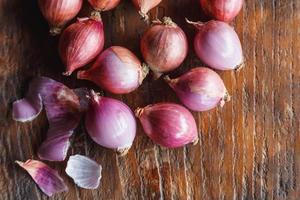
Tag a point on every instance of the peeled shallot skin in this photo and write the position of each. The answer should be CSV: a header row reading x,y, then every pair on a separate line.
x,y
218,45
168,124
104,5
200,89
116,70
59,12
81,42
164,46
223,10
110,123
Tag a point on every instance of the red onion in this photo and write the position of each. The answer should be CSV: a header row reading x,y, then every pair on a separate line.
x,y
200,89
81,42
110,123
104,5
168,124
218,45
144,6
164,46
116,70
223,10
58,12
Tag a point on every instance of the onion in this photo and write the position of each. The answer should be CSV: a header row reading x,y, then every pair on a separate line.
x,y
81,42
59,12
104,5
223,10
200,89
218,45
164,46
110,123
144,6
168,124
116,70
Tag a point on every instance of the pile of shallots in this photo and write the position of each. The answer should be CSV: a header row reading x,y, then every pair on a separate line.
x,y
110,122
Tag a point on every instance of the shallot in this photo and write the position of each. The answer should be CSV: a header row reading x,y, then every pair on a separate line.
x,y
104,5
168,124
110,123
218,45
144,6
116,70
81,42
200,89
223,10
164,46
59,12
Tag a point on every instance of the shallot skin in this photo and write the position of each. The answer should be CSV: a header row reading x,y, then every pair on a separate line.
x,y
110,123
59,12
223,10
200,89
164,46
104,5
81,42
116,70
144,6
168,124
218,45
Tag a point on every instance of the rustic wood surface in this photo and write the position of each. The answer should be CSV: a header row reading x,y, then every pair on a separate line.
x,y
250,149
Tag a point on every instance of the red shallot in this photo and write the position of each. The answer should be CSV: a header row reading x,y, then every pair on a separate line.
x,y
59,12
218,45
168,124
104,5
144,6
110,123
223,10
116,70
164,46
81,42
200,89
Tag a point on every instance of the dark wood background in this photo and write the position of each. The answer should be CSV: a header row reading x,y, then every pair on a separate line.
x,y
248,150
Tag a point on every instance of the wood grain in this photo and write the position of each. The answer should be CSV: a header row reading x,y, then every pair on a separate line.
x,y
248,150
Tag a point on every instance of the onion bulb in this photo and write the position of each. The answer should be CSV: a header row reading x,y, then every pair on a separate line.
x,y
110,123
81,42
59,12
104,5
218,45
144,6
169,125
164,46
223,10
200,89
116,70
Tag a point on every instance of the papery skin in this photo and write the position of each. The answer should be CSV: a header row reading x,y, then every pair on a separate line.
x,y
63,109
46,178
116,70
168,124
218,45
59,12
110,122
223,10
144,6
104,5
81,42
63,112
200,89
164,46
85,172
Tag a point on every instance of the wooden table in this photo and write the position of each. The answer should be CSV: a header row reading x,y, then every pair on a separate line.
x,y
248,150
